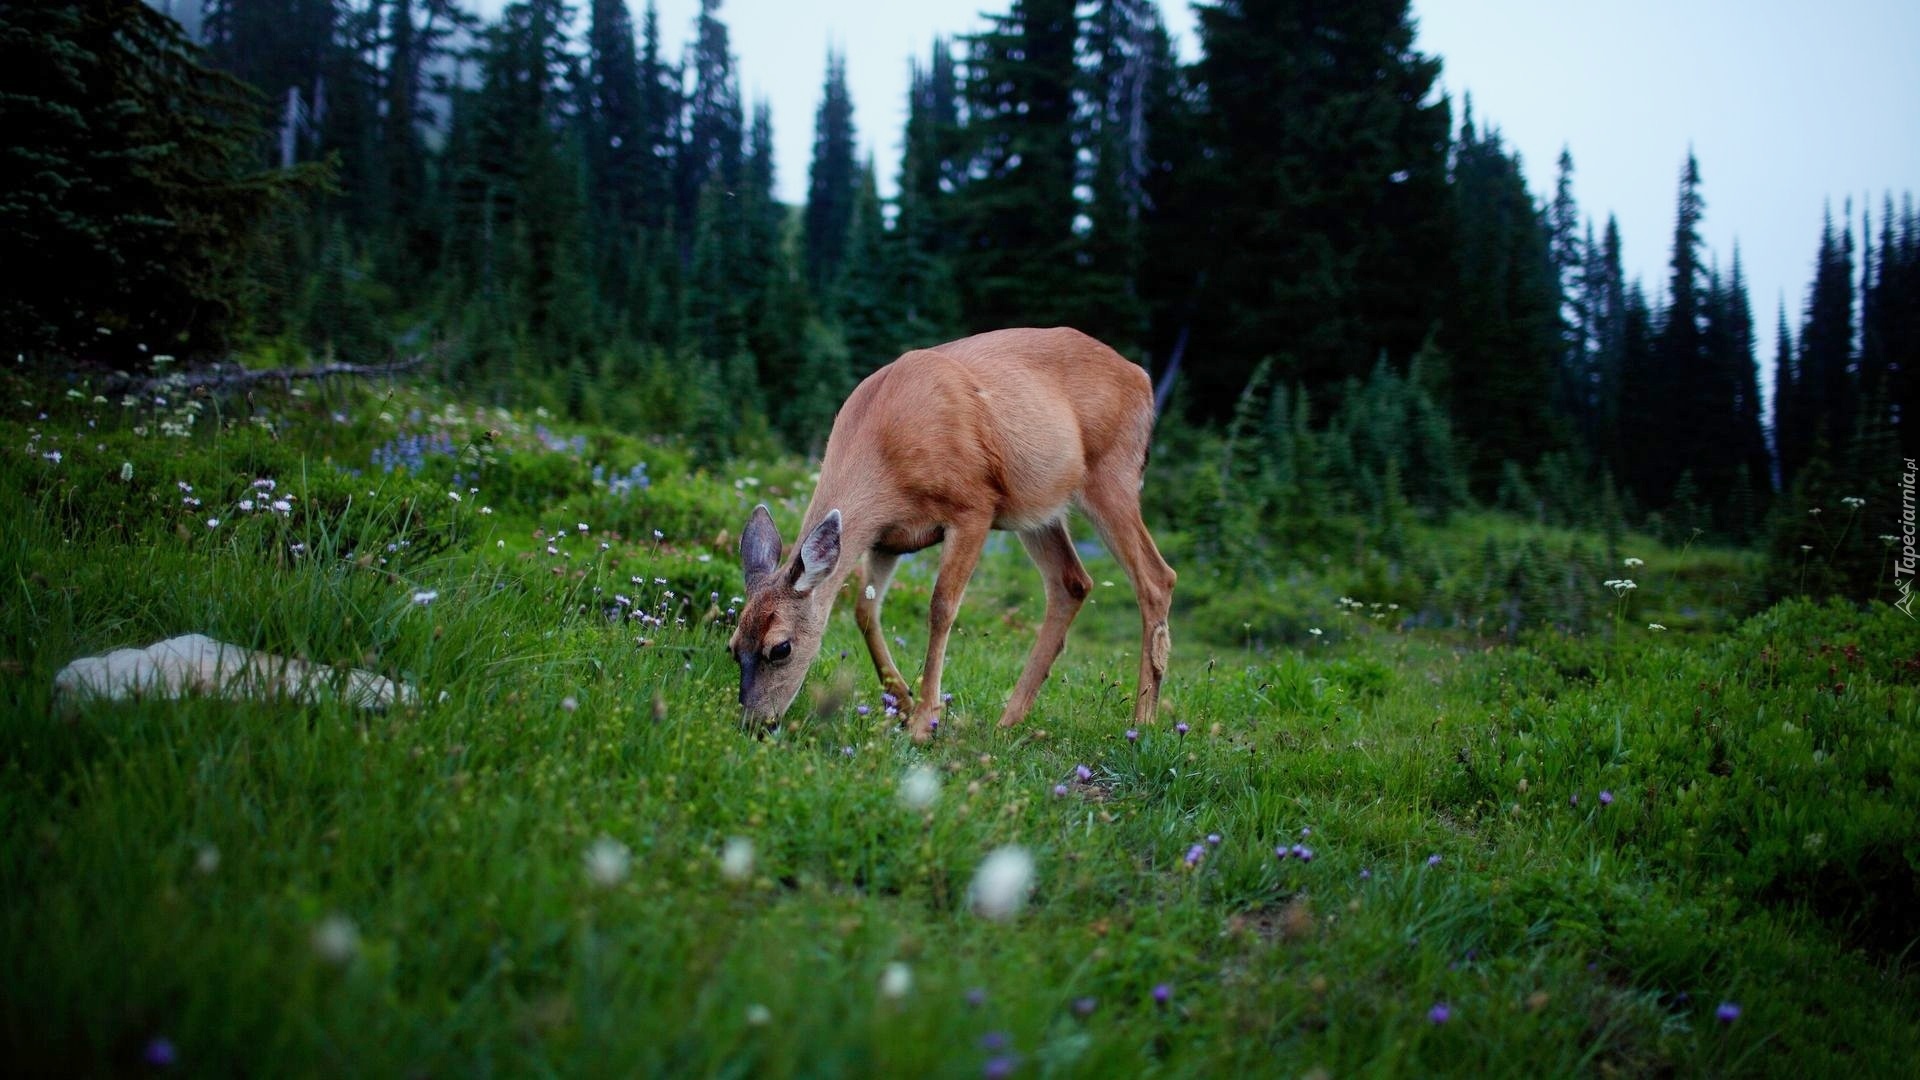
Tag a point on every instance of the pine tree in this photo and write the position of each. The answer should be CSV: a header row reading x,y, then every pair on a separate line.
x,y
1791,440
1122,47
713,137
1825,383
1014,215
131,173
1503,334
1322,201
928,171
832,183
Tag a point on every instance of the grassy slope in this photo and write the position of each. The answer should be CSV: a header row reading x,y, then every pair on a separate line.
x,y
1761,846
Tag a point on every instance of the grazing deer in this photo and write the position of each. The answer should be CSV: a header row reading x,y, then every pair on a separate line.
x,y
995,431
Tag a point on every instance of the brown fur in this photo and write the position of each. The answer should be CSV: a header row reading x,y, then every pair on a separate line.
x,y
997,431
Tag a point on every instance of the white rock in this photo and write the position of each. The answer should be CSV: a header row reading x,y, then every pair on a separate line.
x,y
197,665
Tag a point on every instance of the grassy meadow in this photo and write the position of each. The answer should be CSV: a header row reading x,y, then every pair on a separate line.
x,y
1508,850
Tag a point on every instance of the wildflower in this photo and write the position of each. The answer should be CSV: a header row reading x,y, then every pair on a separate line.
x,y
53,456
1306,831
1282,852
1195,854
1813,512
1083,1006
999,1067
607,862
1631,562
213,523
1303,853
1213,839
736,859
863,709
846,751
454,495
1854,502
126,472
1133,736
160,1053
583,526
1181,728
207,859
759,1015
1059,791
1162,994
486,509
920,788
282,506
426,596
570,703
296,548
246,506
1606,798
336,940
1620,586
1440,1013
1727,1013
658,535
1433,859
976,997
896,981
1655,626
265,484
189,501
1366,874
1806,547
1314,630
185,487
1085,774
1574,799
1002,883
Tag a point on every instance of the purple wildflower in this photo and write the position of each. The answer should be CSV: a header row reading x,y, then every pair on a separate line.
x,y
889,701
160,1053
1433,859
1195,854
1606,798
1440,1013
1366,874
1162,994
1083,1006
1574,799
993,1041
977,997
1303,853
862,709
1727,1013
846,751
1281,852
1085,774
1213,839
1181,729
1059,791
1132,735
1000,1067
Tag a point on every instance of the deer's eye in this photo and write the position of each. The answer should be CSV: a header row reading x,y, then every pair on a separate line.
x,y
780,652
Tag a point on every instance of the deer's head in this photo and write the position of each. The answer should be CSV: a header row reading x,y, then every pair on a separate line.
x,y
786,610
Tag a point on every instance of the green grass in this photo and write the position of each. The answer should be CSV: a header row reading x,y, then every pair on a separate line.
x,y
1762,846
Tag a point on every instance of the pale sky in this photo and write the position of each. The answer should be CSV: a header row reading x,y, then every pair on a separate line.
x,y
1788,104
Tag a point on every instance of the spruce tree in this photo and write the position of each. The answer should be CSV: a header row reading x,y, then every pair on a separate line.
x,y
833,182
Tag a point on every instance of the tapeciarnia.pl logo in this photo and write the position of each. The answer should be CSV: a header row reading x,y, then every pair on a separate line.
x,y
1905,562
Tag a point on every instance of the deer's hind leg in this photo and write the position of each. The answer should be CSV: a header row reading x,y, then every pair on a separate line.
x,y
1051,549
876,575
1112,500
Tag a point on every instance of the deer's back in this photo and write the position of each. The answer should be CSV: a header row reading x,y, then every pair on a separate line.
x,y
1015,418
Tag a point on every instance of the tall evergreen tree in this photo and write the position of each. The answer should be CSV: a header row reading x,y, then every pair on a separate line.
x,y
1326,179
1791,440
1125,47
1014,214
713,135
928,171
1827,386
1503,333
131,177
833,182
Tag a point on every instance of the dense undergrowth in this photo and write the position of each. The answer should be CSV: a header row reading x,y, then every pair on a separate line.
x,y
1555,825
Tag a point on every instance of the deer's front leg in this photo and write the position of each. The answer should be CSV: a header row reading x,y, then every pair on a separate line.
x,y
877,575
959,554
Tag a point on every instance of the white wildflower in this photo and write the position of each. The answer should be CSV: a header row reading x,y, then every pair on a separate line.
x,y
454,495
920,788
896,981
213,523
1632,562
207,859
1655,626
1002,883
607,862
1314,630
426,596
126,472
759,1015
736,859
336,940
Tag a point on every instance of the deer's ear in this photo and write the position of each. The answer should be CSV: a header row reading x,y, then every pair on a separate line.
x,y
759,546
818,554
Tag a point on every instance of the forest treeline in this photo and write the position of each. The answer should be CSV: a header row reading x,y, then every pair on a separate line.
x,y
1295,232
